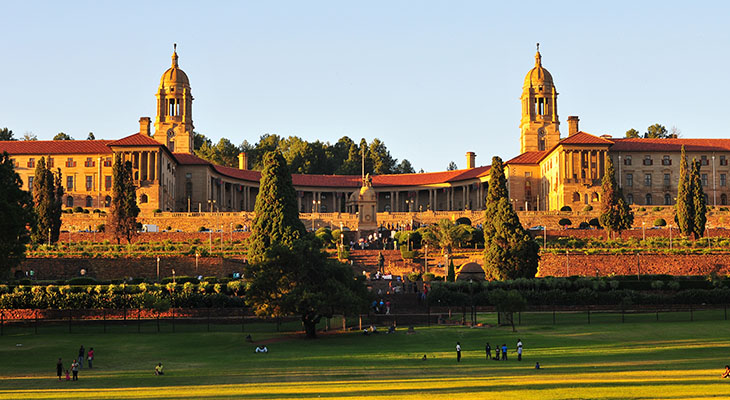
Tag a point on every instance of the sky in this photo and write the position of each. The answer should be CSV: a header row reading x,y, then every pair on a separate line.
x,y
431,79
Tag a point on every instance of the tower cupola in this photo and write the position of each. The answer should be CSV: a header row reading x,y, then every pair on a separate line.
x,y
539,126
174,122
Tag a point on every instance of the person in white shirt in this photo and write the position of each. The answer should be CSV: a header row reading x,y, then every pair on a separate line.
x,y
519,349
458,352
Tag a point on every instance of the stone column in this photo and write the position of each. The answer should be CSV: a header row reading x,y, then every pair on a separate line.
x,y
397,202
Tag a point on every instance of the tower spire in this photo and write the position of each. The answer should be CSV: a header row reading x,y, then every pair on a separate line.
x,y
538,57
174,55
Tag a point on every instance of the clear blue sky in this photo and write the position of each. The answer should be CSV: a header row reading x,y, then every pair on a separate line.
x,y
431,79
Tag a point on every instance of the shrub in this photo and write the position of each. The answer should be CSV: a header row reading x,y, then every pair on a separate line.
x,y
156,210
594,222
641,209
660,222
588,207
428,277
202,229
414,276
583,225
407,254
566,208
78,210
656,209
85,211
239,226
83,280
564,221
463,221
96,211
722,209
101,227
657,285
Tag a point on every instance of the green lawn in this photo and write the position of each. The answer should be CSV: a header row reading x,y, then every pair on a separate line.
x,y
647,360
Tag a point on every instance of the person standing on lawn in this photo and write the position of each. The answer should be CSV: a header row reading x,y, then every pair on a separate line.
x,y
489,351
90,357
75,370
519,349
82,354
59,369
458,352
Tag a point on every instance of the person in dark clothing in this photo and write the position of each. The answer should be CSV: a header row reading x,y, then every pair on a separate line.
x,y
59,369
458,352
82,353
489,351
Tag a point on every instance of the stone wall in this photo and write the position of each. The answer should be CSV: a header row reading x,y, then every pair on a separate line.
x,y
632,264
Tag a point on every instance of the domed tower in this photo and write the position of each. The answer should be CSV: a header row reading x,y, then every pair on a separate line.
x,y
539,127
174,122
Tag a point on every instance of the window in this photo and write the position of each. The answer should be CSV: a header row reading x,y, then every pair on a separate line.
x,y
704,161
89,201
108,162
666,179
50,162
647,180
666,160
648,199
629,179
30,183
143,198
667,199
723,180
528,174
108,182
648,160
627,160
70,162
89,162
89,183
594,197
69,183
704,179
69,201
576,197
630,198
723,199
31,163
107,201
723,160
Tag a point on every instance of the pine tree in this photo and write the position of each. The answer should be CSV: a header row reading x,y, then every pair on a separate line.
x,y
510,252
16,213
122,219
47,201
277,217
616,215
684,214
699,206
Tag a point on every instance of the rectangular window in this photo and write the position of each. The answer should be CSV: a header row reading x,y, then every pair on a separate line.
x,y
108,162
629,179
666,160
528,174
31,163
723,160
89,162
108,182
666,179
30,183
50,162
648,160
704,179
89,182
70,162
704,161
723,180
647,180
627,160
69,183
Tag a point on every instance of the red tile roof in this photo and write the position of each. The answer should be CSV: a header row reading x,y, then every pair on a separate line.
x,y
640,144
528,157
43,147
189,159
584,138
138,139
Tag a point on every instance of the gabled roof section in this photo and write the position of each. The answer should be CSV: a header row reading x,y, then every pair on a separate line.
x,y
640,144
138,139
528,157
584,138
189,159
47,147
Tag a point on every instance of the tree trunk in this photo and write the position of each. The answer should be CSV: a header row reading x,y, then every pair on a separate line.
x,y
310,325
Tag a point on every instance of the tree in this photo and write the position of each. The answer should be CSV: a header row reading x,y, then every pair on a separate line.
x,y
288,272
224,153
446,235
510,252
632,133
16,213
452,166
380,157
699,205
122,219
656,131
29,136
62,136
6,134
616,215
91,136
674,132
451,272
47,202
507,303
404,167
684,208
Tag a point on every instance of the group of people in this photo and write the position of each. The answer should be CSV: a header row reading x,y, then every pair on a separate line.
x,y
500,352
380,307
76,364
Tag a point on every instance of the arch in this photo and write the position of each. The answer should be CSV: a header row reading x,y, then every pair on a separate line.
x,y
594,197
107,201
667,199
89,201
69,201
576,197
143,198
648,199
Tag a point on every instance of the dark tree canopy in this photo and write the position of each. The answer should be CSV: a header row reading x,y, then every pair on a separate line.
x,y
633,133
91,136
47,202
684,207
16,214
6,134
699,204
510,252
452,166
62,136
122,219
656,131
616,214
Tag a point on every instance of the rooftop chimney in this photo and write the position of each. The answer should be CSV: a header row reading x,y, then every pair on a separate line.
x,y
470,159
144,126
242,161
572,125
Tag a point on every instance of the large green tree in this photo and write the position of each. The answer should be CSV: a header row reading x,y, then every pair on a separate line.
x,y
510,252
699,204
616,214
656,131
62,136
122,219
16,214
47,202
288,273
446,235
684,208
6,134
633,134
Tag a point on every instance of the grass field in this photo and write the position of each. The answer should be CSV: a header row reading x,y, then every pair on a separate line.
x,y
645,360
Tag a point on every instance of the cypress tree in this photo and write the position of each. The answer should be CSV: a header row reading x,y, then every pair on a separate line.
x,y
16,213
277,217
47,201
510,252
699,205
684,212
122,219
616,215
451,274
